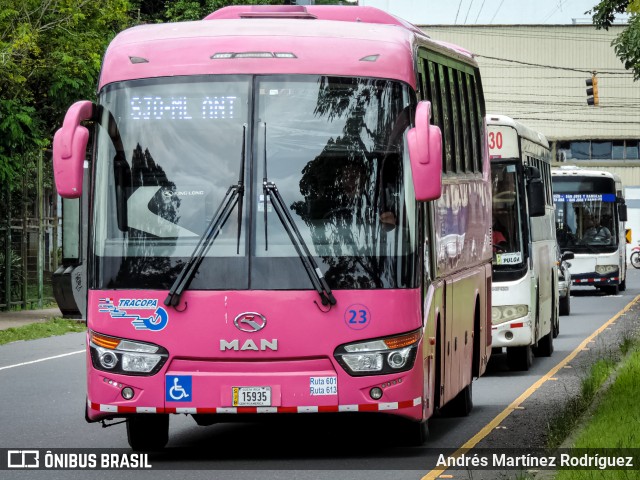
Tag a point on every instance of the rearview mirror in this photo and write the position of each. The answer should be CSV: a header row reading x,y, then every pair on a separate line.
x,y
535,192
425,151
568,256
69,150
622,212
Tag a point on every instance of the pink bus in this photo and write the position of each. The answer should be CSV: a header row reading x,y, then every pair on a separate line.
x,y
276,226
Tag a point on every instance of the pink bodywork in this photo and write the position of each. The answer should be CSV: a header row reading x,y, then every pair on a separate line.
x,y
69,150
331,44
321,47
306,338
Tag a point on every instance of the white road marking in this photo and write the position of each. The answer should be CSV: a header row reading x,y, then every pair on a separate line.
x,y
42,359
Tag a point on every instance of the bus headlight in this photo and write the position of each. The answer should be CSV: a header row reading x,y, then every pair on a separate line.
x,y
505,313
379,356
604,269
118,355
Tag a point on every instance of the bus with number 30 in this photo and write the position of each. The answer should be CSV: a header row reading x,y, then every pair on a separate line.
x,y
288,212
525,316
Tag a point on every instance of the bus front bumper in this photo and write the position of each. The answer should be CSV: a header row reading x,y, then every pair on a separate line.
x,y
514,333
210,388
594,279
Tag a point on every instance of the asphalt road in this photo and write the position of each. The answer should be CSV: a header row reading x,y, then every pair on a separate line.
x,y
43,407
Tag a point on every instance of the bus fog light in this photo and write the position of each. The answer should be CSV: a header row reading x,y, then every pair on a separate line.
x,y
127,393
108,359
508,335
398,358
365,362
375,393
136,362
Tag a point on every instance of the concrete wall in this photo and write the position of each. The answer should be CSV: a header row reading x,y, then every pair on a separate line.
x,y
536,74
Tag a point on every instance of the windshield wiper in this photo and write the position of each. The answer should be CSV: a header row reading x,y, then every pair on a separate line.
x,y
270,191
233,197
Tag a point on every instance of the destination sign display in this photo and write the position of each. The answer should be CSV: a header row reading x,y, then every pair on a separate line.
x,y
584,197
156,107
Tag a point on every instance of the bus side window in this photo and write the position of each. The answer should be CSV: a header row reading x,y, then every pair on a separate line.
x,y
465,123
475,151
455,120
480,121
447,121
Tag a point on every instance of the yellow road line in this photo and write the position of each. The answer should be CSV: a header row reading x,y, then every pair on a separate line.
x,y
473,441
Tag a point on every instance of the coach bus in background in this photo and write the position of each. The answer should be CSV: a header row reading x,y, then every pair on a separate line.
x,y
276,226
525,276
590,216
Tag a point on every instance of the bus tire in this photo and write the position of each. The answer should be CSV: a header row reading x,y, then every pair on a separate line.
x,y
414,434
611,289
565,306
461,405
623,285
519,358
545,346
148,432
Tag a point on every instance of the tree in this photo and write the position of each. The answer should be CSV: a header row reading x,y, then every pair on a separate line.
x,y
627,44
50,54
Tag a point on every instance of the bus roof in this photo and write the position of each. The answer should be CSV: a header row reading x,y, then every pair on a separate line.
x,y
521,129
572,170
324,40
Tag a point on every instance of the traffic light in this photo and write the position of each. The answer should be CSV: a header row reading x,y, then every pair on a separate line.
x,y
592,91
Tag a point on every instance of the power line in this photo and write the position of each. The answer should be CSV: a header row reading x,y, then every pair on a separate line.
x,y
552,67
468,10
554,10
480,11
459,5
498,9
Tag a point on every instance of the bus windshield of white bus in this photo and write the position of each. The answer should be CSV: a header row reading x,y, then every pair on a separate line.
x,y
168,149
586,214
507,215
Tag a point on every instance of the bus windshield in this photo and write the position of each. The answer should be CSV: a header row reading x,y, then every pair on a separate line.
x,y
586,216
168,149
507,219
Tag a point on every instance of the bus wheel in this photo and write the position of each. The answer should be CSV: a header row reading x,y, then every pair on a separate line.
x,y
519,358
623,285
611,289
148,432
461,404
545,346
414,434
565,306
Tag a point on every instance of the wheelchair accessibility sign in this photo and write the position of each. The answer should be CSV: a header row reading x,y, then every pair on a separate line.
x,y
178,388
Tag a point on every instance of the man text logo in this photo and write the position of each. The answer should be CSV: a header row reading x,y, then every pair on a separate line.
x,y
249,345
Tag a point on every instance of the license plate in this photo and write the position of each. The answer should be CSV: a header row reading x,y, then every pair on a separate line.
x,y
251,396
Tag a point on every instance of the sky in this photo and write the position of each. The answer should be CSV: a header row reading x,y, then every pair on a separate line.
x,y
449,12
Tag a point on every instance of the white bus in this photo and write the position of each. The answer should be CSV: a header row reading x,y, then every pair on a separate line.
x,y
525,276
590,216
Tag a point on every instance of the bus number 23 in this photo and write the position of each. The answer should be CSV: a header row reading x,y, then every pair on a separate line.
x,y
359,316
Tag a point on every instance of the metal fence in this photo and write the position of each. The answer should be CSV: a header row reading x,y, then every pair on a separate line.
x,y
29,236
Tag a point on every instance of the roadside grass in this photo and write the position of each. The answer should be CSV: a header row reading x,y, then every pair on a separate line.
x,y
55,326
565,421
614,421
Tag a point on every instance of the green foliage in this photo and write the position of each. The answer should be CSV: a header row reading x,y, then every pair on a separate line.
x,y
182,10
627,44
50,54
53,327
